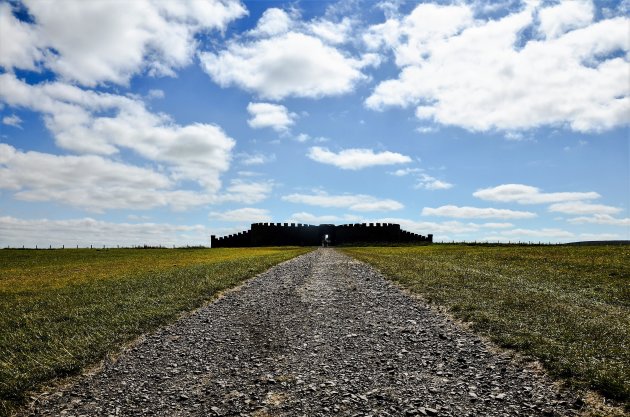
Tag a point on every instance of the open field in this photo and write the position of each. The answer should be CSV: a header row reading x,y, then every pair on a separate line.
x,y
569,307
61,310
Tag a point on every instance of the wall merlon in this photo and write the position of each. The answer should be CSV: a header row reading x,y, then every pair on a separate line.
x,y
300,234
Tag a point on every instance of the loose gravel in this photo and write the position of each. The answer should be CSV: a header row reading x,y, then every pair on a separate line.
x,y
319,335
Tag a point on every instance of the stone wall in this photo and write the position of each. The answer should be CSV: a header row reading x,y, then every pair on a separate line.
x,y
292,234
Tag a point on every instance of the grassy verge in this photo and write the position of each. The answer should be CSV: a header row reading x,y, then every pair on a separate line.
x,y
61,310
569,307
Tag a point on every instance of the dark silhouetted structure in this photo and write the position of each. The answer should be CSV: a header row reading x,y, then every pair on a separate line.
x,y
285,234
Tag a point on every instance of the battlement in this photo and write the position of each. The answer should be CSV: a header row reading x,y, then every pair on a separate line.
x,y
298,234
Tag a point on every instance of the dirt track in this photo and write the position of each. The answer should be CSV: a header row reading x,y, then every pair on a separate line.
x,y
319,335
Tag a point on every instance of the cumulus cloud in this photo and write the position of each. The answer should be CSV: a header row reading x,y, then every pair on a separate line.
x,y
155,93
93,42
305,137
447,230
428,182
245,214
21,43
526,194
355,202
600,236
332,32
273,21
580,207
87,231
95,183
80,122
256,158
247,192
606,219
355,159
90,182
425,25
405,171
308,218
476,212
478,74
270,115
568,15
12,120
288,65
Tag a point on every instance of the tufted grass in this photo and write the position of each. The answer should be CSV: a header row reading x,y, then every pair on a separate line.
x,y
567,306
62,310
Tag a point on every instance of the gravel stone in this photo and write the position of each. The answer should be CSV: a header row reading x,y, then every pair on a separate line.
x,y
319,335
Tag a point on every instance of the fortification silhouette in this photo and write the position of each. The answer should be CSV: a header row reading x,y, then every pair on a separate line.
x,y
292,234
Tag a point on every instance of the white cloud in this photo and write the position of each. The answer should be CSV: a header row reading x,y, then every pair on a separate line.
x,y
568,15
87,231
514,136
549,233
302,137
245,214
97,184
580,207
405,171
428,182
525,194
305,137
155,94
199,152
331,32
288,65
425,25
440,230
12,120
90,182
308,218
92,42
531,235
497,225
355,202
20,45
600,236
248,174
136,217
474,73
273,21
270,115
247,192
355,159
426,129
256,159
601,219
476,212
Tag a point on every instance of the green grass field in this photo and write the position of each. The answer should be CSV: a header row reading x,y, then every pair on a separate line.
x,y
61,310
568,306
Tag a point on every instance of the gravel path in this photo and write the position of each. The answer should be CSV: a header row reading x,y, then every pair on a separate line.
x,y
319,335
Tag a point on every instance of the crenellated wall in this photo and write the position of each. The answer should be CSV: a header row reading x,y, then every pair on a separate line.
x,y
292,234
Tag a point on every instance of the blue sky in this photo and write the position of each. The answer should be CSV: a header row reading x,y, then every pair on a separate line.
x,y
163,122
